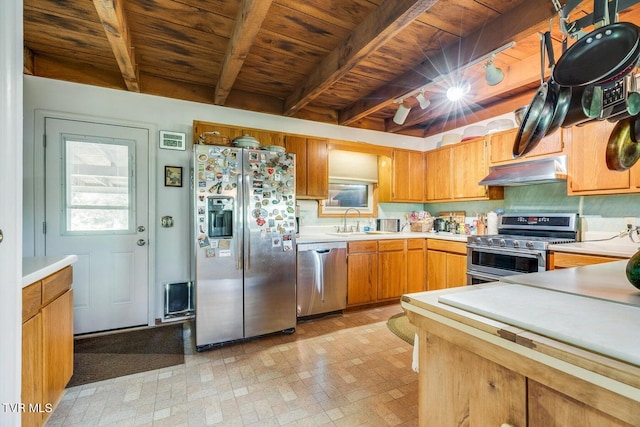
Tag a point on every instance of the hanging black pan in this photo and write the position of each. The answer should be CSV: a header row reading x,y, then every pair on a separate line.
x,y
539,115
564,92
606,54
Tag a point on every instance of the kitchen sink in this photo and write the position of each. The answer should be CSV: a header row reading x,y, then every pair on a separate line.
x,y
358,233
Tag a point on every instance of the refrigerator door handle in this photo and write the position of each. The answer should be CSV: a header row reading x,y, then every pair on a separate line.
x,y
238,219
247,231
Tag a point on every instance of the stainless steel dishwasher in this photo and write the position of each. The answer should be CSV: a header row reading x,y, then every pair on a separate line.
x,y
321,278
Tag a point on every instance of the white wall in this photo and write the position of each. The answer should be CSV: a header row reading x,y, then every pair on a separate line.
x,y
172,263
10,210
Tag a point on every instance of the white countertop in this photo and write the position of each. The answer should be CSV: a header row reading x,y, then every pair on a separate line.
x,y
622,249
36,268
607,281
349,237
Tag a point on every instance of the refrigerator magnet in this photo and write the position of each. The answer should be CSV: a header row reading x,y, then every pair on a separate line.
x,y
224,244
224,253
214,244
203,241
287,245
210,253
276,242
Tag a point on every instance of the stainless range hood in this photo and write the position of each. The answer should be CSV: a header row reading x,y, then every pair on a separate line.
x,y
551,169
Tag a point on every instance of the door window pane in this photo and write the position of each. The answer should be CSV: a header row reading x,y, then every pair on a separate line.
x,y
98,185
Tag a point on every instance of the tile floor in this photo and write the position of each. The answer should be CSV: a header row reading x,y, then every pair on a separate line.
x,y
347,370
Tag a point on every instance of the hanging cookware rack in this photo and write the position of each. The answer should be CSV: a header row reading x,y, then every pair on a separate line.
x,y
540,114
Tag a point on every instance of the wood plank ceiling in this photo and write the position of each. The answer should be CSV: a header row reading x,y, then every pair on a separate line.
x,y
336,61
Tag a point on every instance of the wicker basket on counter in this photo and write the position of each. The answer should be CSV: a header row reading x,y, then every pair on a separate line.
x,y
214,138
423,226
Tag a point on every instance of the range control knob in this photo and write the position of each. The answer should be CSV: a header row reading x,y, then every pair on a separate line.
x,y
490,242
502,243
529,244
516,244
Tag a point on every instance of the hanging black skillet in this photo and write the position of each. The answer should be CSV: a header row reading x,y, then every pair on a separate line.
x,y
539,115
604,55
564,92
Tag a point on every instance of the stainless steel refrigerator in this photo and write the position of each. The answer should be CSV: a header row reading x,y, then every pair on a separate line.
x,y
244,238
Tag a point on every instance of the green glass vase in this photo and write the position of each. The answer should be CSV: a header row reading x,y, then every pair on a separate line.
x,y
633,270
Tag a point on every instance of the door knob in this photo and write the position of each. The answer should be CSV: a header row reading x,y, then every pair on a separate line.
x,y
141,228
1,236
141,242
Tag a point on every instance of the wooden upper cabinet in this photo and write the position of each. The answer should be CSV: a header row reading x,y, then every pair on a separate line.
x,y
265,137
312,166
470,166
502,146
201,127
588,172
453,172
438,174
408,176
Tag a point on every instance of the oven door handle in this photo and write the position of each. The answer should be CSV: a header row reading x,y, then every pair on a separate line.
x,y
527,254
491,277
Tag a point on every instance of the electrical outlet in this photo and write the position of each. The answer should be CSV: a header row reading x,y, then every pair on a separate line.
x,y
629,221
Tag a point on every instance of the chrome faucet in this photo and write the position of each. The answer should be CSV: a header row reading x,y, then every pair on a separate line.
x,y
344,224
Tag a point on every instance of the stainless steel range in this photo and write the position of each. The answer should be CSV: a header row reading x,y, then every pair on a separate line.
x,y
520,247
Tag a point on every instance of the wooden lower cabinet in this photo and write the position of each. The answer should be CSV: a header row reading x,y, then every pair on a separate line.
x,y
362,272
446,264
384,270
32,387
392,269
416,265
57,324
47,345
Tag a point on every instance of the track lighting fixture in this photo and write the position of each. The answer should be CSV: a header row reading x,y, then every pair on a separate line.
x,y
422,100
493,75
402,112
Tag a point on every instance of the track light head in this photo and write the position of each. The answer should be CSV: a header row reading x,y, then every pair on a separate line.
x,y
422,100
493,75
401,113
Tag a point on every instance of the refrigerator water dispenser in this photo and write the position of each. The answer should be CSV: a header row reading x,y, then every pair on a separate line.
x,y
220,217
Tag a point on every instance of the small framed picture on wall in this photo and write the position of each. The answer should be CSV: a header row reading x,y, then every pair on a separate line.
x,y
173,176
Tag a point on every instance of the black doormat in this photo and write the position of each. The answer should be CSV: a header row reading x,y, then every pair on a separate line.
x,y
125,353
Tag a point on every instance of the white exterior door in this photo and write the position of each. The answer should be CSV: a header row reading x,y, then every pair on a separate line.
x,y
96,206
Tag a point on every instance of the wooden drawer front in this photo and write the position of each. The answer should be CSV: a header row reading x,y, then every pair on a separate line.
x,y
359,247
391,245
55,285
31,300
447,246
567,260
416,244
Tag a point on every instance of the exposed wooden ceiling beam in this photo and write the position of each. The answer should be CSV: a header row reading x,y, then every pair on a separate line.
x,y
113,18
248,23
514,25
389,18
27,63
